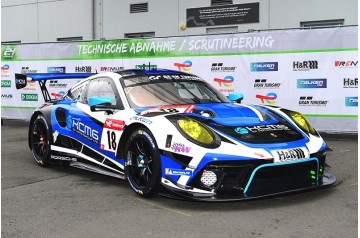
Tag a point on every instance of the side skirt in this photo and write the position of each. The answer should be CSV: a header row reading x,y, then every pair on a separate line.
x,y
86,162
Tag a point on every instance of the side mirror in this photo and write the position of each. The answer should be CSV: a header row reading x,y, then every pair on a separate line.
x,y
236,97
100,104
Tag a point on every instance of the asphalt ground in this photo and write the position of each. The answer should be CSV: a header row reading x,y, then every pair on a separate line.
x,y
67,202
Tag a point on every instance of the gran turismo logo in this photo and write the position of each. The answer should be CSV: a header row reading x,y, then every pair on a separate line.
x,y
268,98
186,66
56,84
219,67
305,65
309,101
311,83
263,84
27,70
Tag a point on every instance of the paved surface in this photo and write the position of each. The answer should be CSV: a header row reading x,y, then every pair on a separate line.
x,y
67,202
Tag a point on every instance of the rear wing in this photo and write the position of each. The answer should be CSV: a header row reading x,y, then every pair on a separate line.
x,y
21,80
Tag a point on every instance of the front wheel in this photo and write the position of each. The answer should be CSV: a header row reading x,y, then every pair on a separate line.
x,y
142,163
40,140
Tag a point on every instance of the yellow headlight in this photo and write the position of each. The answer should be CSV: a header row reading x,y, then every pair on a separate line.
x,y
302,121
195,130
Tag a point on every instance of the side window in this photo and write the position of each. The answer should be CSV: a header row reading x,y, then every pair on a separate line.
x,y
75,93
102,87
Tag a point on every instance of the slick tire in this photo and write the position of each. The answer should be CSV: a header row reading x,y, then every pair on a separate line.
x,y
142,163
40,140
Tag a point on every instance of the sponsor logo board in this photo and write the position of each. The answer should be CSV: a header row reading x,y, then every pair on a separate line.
x,y
263,66
312,83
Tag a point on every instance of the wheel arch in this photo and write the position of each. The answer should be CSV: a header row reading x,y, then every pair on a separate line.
x,y
46,114
124,137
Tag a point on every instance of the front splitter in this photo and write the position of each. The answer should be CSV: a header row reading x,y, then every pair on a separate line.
x,y
328,180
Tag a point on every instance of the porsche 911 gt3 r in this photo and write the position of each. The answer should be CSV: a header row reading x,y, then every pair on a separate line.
x,y
171,132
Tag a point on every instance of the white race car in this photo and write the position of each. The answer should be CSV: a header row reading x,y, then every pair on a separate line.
x,y
170,132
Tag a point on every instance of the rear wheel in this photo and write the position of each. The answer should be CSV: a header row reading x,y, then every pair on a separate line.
x,y
142,163
40,140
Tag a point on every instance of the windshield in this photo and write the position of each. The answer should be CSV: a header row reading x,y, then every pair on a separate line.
x,y
158,90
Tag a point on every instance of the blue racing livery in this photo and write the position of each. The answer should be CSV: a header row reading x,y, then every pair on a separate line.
x,y
171,133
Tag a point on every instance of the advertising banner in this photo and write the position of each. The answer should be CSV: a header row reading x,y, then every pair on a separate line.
x,y
311,71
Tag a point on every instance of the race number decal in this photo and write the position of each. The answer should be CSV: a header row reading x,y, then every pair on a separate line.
x,y
111,134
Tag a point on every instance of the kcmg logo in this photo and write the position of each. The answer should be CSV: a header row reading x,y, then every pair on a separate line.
x,y
268,98
227,81
186,66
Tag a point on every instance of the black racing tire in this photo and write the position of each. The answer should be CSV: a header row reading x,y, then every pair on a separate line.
x,y
40,140
142,163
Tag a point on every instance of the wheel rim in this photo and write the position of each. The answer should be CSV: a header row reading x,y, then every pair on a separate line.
x,y
39,142
140,162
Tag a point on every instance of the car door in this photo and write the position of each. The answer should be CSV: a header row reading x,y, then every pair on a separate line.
x,y
99,130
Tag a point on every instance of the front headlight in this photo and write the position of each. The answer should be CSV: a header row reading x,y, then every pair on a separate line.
x,y
302,122
195,130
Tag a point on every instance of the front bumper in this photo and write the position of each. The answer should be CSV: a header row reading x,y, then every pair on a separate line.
x,y
244,181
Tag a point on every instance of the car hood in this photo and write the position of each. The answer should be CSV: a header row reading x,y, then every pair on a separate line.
x,y
229,114
246,123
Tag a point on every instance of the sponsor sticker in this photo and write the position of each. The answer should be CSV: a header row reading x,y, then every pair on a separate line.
x,y
56,70
141,119
351,101
309,101
178,172
146,66
263,84
83,69
345,64
219,67
263,66
255,129
290,154
305,65
5,83
268,98
350,83
312,83
180,148
114,124
31,97
9,52
185,66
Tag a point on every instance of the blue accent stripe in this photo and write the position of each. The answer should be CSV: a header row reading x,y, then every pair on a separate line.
x,y
280,164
